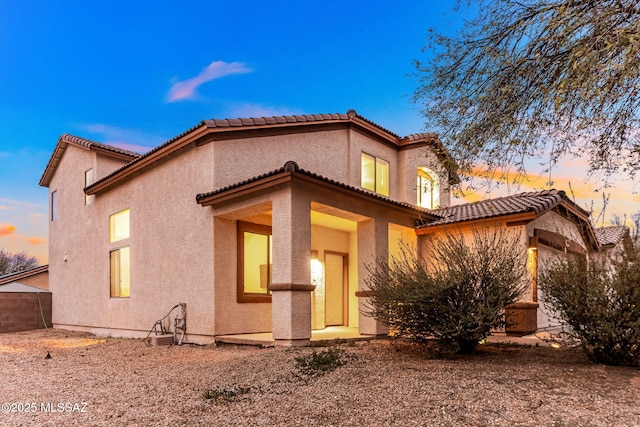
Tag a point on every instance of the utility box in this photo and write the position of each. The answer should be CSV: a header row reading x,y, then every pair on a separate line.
x,y
157,340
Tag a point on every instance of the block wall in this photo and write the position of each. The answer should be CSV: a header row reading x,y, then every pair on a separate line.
x,y
20,311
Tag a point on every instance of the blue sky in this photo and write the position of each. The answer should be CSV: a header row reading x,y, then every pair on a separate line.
x,y
137,73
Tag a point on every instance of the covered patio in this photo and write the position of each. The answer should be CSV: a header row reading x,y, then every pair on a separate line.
x,y
303,218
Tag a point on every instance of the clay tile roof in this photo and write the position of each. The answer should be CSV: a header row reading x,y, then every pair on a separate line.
x,y
420,136
291,166
66,139
538,202
93,144
610,236
260,121
12,277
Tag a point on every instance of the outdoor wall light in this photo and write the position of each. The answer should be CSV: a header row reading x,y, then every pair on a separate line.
x,y
317,270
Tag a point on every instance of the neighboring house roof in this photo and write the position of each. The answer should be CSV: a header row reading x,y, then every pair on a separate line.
x,y
19,287
67,139
525,206
12,277
209,130
291,168
612,235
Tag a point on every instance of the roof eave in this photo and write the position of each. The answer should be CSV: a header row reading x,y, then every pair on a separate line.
x,y
53,163
520,218
287,176
144,161
61,147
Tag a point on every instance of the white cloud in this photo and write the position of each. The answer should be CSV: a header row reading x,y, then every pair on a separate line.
x,y
186,89
134,140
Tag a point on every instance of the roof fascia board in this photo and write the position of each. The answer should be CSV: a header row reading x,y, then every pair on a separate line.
x,y
52,165
145,161
367,129
362,196
370,129
221,134
290,176
110,153
246,189
511,218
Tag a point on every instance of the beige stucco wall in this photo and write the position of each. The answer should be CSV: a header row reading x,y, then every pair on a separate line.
x,y
409,162
323,152
515,232
171,250
232,317
334,154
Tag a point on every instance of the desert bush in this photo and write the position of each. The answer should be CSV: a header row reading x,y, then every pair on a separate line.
x,y
318,363
600,306
459,298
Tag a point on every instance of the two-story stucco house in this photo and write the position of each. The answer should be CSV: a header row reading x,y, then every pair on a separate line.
x,y
266,225
230,217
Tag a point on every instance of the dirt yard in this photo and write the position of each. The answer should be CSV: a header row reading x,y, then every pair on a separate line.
x,y
113,382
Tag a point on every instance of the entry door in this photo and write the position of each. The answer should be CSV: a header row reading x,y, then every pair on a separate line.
x,y
335,287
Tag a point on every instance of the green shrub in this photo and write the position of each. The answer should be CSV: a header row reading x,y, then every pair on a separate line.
x,y
460,299
600,306
318,363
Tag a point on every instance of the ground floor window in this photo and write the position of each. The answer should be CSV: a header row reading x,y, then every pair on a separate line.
x,y
254,262
120,272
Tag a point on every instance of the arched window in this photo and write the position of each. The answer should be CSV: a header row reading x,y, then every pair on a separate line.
x,y
428,186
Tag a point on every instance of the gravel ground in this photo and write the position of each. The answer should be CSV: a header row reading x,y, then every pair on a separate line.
x,y
113,382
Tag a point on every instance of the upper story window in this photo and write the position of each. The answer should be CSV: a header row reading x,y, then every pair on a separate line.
x,y
54,205
88,180
374,174
428,186
254,262
119,226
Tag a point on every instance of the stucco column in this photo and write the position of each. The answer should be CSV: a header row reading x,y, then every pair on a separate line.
x,y
373,244
291,275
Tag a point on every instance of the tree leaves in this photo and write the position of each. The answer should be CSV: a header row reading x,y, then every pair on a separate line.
x,y
538,77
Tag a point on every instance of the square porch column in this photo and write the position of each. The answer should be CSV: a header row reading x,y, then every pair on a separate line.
x,y
291,274
373,244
